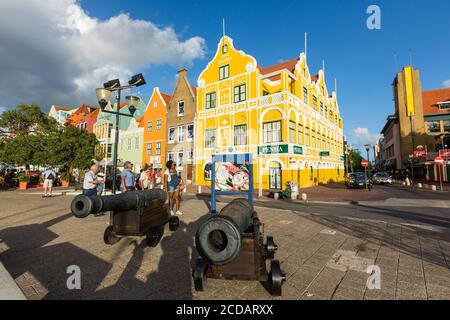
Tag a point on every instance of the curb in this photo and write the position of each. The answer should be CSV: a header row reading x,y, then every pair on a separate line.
x,y
9,290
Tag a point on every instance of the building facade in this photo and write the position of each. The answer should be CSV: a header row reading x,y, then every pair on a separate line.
x,y
181,127
418,130
436,106
281,114
84,117
131,145
154,122
60,114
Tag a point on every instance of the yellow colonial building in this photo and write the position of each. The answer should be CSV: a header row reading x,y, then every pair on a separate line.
x,y
281,114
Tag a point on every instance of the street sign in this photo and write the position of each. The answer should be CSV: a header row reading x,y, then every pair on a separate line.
x,y
364,163
444,154
439,161
420,154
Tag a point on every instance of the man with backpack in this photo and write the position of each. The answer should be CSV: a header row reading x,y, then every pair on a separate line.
x,y
49,177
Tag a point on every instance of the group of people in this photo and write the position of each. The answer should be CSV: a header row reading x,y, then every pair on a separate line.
x,y
147,179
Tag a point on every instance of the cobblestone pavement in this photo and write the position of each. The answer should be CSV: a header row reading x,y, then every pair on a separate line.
x,y
324,257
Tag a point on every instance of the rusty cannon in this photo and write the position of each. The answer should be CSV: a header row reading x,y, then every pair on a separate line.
x,y
133,214
231,246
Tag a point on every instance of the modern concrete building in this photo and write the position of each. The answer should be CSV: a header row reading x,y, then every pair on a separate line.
x,y
418,130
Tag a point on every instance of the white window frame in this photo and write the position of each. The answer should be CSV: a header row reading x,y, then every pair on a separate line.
x,y
240,135
187,132
270,134
180,133
190,156
168,138
211,103
149,149
224,72
210,145
158,149
180,163
158,124
178,108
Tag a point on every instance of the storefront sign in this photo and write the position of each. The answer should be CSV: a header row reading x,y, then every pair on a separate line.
x,y
298,150
325,153
274,149
280,149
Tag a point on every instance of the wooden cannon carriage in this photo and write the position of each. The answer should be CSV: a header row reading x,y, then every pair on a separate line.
x,y
133,214
231,247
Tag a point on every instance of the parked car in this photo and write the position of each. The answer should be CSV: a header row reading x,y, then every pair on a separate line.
x,y
357,180
382,178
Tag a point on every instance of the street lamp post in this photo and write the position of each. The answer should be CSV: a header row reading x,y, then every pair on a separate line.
x,y
367,146
103,97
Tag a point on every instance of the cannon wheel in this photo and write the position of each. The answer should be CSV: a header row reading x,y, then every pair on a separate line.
x,y
276,278
199,274
109,237
154,236
174,222
271,248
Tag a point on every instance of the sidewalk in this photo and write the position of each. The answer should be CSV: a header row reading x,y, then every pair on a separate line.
x,y
324,257
335,192
9,290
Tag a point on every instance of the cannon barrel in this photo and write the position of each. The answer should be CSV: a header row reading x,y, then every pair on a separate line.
x,y
82,206
219,239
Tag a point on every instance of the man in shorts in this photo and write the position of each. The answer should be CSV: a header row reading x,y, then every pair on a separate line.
x,y
49,177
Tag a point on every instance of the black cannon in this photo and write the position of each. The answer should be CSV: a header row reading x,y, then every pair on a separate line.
x,y
138,213
231,246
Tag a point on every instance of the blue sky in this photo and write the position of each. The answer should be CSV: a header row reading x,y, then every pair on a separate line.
x,y
361,59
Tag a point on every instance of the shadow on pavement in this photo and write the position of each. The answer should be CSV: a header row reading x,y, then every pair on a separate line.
x,y
29,254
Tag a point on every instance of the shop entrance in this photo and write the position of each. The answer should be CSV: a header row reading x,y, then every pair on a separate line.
x,y
275,182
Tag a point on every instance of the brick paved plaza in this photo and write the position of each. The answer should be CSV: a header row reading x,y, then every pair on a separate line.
x,y
324,257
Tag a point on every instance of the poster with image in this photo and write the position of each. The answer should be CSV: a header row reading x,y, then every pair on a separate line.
x,y
232,177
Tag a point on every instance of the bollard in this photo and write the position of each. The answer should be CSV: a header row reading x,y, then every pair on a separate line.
x,y
419,185
433,187
426,186
276,195
199,189
304,197
294,195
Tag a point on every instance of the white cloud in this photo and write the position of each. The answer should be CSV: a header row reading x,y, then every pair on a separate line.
x,y
446,83
56,53
361,136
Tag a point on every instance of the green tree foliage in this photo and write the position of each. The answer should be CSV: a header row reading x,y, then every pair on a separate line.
x,y
36,139
354,158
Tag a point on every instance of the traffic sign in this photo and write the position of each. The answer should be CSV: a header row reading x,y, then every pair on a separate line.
x,y
439,161
364,163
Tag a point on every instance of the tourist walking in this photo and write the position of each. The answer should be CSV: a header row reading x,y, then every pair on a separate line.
x,y
171,183
91,181
145,179
49,178
127,178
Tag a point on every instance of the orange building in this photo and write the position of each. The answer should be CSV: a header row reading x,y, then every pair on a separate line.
x,y
154,122
84,117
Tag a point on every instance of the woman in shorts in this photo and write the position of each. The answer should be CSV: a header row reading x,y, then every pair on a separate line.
x,y
171,183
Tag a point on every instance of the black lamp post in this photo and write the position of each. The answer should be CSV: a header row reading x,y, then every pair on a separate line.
x,y
367,146
103,97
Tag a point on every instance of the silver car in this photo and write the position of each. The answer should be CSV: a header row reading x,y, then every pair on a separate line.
x,y
381,178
